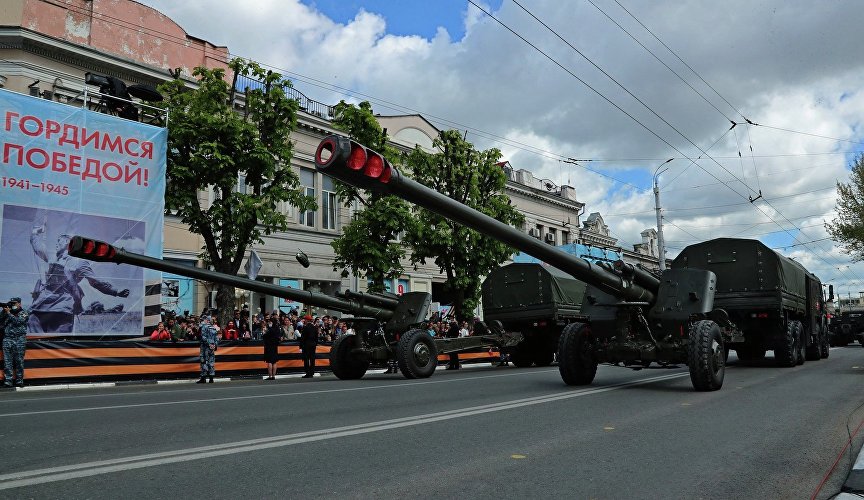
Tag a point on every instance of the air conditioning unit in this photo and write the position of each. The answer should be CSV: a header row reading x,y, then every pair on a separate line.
x,y
534,232
550,238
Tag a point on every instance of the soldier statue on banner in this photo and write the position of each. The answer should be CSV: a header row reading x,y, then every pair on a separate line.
x,y
58,299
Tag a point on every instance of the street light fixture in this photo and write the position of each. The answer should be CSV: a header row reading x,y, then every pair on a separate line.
x,y
661,245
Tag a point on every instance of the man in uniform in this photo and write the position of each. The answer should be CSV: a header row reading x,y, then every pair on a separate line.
x,y
14,342
309,344
57,300
209,340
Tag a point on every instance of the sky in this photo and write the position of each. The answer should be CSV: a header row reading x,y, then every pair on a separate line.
x,y
618,85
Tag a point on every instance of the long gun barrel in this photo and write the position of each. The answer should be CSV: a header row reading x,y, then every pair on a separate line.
x,y
100,251
359,166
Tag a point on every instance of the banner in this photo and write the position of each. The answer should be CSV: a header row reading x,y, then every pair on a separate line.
x,y
64,171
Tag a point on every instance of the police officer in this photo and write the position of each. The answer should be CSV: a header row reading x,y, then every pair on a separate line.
x,y
209,340
14,342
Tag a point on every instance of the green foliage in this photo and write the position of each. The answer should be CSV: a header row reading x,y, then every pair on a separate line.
x,y
472,178
848,228
210,144
367,244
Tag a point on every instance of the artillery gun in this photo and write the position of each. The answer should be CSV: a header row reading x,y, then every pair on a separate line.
x,y
628,315
387,327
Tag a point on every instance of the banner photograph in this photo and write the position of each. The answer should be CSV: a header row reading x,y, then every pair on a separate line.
x,y
64,171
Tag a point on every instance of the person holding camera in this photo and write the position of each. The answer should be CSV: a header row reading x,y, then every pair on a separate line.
x,y
14,342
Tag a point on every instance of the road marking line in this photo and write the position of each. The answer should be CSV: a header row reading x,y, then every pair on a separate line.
x,y
259,396
61,473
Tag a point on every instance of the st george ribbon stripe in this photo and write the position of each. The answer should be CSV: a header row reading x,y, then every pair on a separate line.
x,y
61,473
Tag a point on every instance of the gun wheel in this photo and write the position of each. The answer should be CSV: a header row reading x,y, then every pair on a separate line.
x,y
576,362
342,361
706,356
417,354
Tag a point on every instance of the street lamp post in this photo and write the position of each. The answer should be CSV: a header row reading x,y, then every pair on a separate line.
x,y
661,245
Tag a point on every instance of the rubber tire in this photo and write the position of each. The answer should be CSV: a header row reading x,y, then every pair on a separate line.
x,y
576,362
417,354
521,356
705,353
543,357
802,357
786,355
341,362
813,352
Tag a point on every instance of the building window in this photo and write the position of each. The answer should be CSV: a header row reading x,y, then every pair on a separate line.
x,y
328,203
307,181
565,237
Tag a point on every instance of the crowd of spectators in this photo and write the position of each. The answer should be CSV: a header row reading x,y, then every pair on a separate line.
x,y
249,327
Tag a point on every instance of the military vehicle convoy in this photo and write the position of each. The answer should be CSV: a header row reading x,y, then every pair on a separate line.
x,y
774,300
621,314
387,327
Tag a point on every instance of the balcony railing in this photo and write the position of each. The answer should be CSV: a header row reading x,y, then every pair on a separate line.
x,y
310,106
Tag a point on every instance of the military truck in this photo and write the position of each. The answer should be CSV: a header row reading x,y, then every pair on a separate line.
x,y
847,327
553,300
775,301
628,315
387,328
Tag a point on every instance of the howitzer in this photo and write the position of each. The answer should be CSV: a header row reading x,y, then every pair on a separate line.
x,y
681,325
386,327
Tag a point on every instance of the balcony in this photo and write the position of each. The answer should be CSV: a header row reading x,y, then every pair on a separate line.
x,y
307,105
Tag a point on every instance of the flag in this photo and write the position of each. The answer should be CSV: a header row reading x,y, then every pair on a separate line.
x,y
253,265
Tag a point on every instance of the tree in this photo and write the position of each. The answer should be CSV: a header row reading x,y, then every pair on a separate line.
x,y
210,145
472,178
848,228
368,245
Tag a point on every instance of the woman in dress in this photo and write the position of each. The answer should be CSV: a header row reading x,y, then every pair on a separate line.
x,y
272,334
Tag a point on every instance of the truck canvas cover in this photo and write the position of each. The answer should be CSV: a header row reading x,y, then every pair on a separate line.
x,y
745,267
531,290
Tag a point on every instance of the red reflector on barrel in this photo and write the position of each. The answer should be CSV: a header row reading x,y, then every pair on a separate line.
x,y
357,158
385,176
325,151
89,246
102,249
374,166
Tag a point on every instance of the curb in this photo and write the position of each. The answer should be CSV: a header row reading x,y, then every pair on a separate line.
x,y
127,383
855,481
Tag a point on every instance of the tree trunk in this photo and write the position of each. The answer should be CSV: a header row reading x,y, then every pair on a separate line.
x,y
225,304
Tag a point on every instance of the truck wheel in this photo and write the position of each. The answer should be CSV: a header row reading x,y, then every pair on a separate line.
x,y
802,342
521,355
343,364
417,354
812,352
705,356
786,352
576,362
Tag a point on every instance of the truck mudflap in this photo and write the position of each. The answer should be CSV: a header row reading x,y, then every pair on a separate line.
x,y
505,339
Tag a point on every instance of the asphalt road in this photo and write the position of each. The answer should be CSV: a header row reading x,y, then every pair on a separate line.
x,y
480,432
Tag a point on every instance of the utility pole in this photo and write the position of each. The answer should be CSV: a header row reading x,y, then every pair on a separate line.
x,y
661,245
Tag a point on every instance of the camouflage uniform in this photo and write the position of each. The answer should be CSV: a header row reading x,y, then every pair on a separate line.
x,y
14,345
208,356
